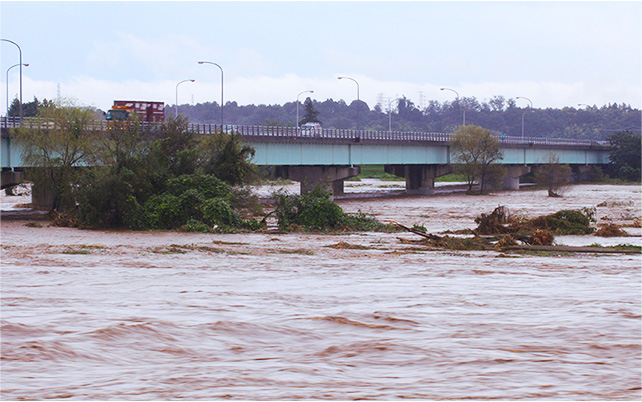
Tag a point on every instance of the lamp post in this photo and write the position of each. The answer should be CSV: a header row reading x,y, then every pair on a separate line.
x,y
15,65
297,108
521,97
20,51
209,62
456,93
358,102
176,105
390,114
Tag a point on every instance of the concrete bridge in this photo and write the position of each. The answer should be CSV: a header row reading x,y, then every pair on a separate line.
x,y
329,156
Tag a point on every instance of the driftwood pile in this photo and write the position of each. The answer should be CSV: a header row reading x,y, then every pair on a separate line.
x,y
500,231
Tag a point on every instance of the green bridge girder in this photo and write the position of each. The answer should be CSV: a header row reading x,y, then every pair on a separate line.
x,y
278,154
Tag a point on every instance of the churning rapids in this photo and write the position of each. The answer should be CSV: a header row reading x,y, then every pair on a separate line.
x,y
121,315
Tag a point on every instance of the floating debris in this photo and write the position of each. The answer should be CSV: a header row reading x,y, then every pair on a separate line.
x,y
610,230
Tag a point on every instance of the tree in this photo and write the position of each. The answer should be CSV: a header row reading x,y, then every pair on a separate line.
x,y
165,179
626,155
225,156
29,109
476,150
58,149
310,115
175,146
553,175
408,112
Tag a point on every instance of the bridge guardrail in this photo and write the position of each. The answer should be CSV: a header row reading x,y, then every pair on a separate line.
x,y
325,134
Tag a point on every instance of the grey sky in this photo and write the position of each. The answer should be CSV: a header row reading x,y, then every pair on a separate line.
x,y
555,53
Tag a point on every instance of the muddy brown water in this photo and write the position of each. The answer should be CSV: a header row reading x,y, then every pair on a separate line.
x,y
121,315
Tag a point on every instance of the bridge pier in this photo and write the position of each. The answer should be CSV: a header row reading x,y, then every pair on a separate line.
x,y
10,177
511,181
580,173
420,179
329,177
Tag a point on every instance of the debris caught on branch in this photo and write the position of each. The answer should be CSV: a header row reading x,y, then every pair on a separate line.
x,y
413,230
445,242
505,242
494,223
564,222
500,231
541,237
611,230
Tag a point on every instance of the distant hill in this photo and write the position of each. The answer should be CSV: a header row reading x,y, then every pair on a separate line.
x,y
499,115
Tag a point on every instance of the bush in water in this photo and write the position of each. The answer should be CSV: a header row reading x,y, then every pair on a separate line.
x,y
315,211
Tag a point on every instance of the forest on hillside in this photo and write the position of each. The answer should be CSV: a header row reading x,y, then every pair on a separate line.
x,y
500,115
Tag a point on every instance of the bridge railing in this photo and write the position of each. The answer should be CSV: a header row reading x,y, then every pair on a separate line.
x,y
326,134
40,123
321,133
360,135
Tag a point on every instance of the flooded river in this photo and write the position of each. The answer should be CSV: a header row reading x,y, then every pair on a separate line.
x,y
121,315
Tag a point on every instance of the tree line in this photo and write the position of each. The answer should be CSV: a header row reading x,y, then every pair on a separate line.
x,y
499,115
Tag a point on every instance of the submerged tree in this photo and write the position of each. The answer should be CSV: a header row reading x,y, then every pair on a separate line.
x,y
175,179
225,156
553,175
57,149
136,177
476,151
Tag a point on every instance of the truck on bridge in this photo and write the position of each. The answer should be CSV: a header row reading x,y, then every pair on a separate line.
x,y
143,111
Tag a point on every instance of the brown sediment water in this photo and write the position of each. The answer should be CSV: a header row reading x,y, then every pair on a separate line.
x,y
123,315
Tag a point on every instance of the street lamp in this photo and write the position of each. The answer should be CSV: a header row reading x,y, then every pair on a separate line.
x,y
209,62
15,65
456,93
358,102
297,108
20,51
390,114
176,105
521,97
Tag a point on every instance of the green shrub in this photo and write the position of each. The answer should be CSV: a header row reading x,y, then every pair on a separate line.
x,y
101,197
195,226
190,203
626,172
361,222
163,212
253,225
205,184
218,211
566,222
134,216
316,211
311,211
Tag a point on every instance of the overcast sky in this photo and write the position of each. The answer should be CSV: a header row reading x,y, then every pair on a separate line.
x,y
554,53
